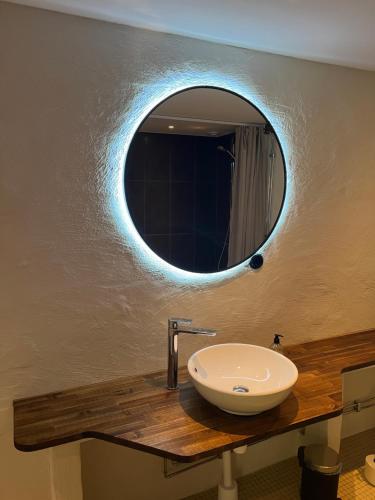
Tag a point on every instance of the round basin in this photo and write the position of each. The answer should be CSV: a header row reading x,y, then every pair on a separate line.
x,y
243,379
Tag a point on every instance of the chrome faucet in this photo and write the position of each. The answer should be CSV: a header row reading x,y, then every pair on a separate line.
x,y
176,326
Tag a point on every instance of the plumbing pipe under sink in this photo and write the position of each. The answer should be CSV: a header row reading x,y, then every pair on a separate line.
x,y
228,489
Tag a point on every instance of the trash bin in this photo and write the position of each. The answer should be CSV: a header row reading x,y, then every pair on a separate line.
x,y
321,469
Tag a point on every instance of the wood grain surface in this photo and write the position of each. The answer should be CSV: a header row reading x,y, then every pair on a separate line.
x,y
141,413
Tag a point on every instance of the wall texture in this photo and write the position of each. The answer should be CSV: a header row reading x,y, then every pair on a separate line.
x,y
77,304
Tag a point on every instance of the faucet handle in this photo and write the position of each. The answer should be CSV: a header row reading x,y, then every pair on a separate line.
x,y
175,323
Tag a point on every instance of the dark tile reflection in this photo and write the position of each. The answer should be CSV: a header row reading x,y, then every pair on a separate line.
x,y
157,212
182,208
158,157
183,152
182,251
178,193
160,244
135,198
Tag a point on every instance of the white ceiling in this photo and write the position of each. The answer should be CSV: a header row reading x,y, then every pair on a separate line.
x,y
333,31
201,111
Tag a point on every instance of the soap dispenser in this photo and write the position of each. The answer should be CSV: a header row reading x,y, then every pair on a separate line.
x,y
276,346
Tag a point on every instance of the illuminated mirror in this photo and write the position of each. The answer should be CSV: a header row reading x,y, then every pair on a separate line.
x,y
205,180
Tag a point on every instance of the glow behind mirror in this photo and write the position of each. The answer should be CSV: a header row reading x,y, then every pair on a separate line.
x,y
148,97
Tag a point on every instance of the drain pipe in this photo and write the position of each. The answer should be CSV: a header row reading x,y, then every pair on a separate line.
x,y
227,486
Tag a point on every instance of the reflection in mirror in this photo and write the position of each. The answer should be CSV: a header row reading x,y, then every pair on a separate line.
x,y
205,180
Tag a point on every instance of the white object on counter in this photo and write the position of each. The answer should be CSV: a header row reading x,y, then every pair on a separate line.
x,y
243,379
370,469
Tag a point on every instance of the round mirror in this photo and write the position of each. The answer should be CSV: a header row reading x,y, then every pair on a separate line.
x,y
205,179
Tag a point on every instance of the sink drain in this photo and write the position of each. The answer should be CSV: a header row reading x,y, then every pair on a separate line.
x,y
240,388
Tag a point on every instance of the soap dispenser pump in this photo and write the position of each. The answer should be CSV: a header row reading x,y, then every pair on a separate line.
x,y
276,345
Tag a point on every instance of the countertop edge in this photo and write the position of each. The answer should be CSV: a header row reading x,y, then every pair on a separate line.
x,y
298,353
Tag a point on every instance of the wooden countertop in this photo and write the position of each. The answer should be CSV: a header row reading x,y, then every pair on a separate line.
x,y
140,413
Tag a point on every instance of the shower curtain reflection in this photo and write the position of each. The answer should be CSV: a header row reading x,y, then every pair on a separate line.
x,y
251,218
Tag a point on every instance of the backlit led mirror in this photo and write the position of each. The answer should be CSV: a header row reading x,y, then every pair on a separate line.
x,y
205,180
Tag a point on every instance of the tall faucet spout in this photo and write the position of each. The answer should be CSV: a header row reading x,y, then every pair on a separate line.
x,y
198,331
176,326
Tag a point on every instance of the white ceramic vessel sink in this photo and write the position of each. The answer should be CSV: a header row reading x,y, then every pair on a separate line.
x,y
243,379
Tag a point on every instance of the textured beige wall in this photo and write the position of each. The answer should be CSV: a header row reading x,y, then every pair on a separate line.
x,y
77,305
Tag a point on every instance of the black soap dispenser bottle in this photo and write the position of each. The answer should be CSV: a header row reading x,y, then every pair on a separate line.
x,y
276,345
